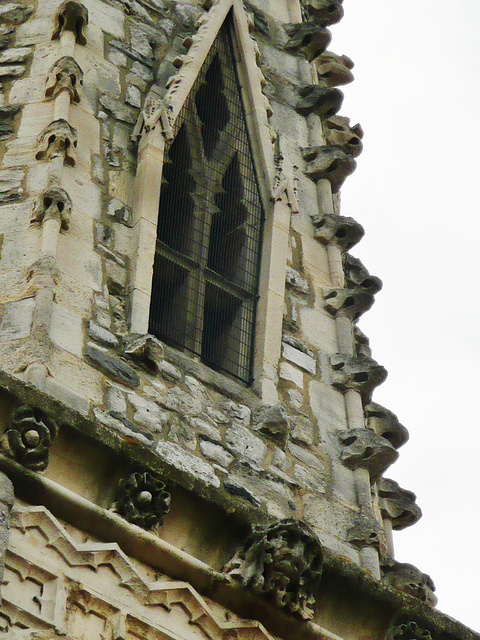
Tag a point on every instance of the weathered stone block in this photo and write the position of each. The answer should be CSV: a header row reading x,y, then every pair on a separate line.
x,y
323,101
245,445
308,39
331,163
339,230
364,449
301,359
16,319
272,420
187,462
338,132
359,374
334,70
112,365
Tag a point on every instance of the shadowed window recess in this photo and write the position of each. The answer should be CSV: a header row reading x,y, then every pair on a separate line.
x,y
209,234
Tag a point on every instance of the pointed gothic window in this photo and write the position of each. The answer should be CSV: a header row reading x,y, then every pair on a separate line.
x,y
207,258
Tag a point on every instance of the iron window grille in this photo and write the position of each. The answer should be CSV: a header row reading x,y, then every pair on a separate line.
x,y
209,234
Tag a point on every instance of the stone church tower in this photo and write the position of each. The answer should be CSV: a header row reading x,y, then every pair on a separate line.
x,y
189,448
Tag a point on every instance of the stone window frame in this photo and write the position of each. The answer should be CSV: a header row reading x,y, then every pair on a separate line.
x,y
155,128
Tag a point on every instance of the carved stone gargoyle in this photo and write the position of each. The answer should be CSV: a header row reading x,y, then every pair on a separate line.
x,y
334,70
53,203
408,579
329,163
339,230
363,449
29,437
282,561
71,16
359,374
323,101
350,303
386,424
338,132
273,421
398,505
59,138
356,275
307,39
324,12
65,75
408,631
142,499
144,349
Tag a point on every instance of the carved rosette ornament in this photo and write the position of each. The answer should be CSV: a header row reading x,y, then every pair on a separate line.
x,y
408,631
143,500
65,75
29,437
282,561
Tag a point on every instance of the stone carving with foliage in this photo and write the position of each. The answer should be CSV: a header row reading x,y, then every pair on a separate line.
x,y
143,499
409,631
29,437
283,561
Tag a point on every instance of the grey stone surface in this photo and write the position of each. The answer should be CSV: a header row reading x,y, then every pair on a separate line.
x,y
116,402
305,456
302,360
102,335
296,281
187,462
16,319
272,420
182,433
303,430
244,445
112,366
123,426
204,427
364,449
216,453
239,413
11,185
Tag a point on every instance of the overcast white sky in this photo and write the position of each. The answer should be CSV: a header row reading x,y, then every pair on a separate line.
x,y
416,192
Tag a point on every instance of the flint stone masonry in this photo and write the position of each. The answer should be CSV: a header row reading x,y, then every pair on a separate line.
x,y
299,358
182,460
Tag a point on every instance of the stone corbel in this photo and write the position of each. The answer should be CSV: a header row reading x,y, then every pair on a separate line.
x,y
65,75
324,12
350,303
322,101
282,561
334,70
29,437
356,275
363,449
338,132
332,163
59,138
408,579
307,39
142,499
338,230
398,505
71,16
53,203
386,424
357,374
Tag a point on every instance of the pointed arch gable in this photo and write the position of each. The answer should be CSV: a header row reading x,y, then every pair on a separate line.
x,y
167,109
